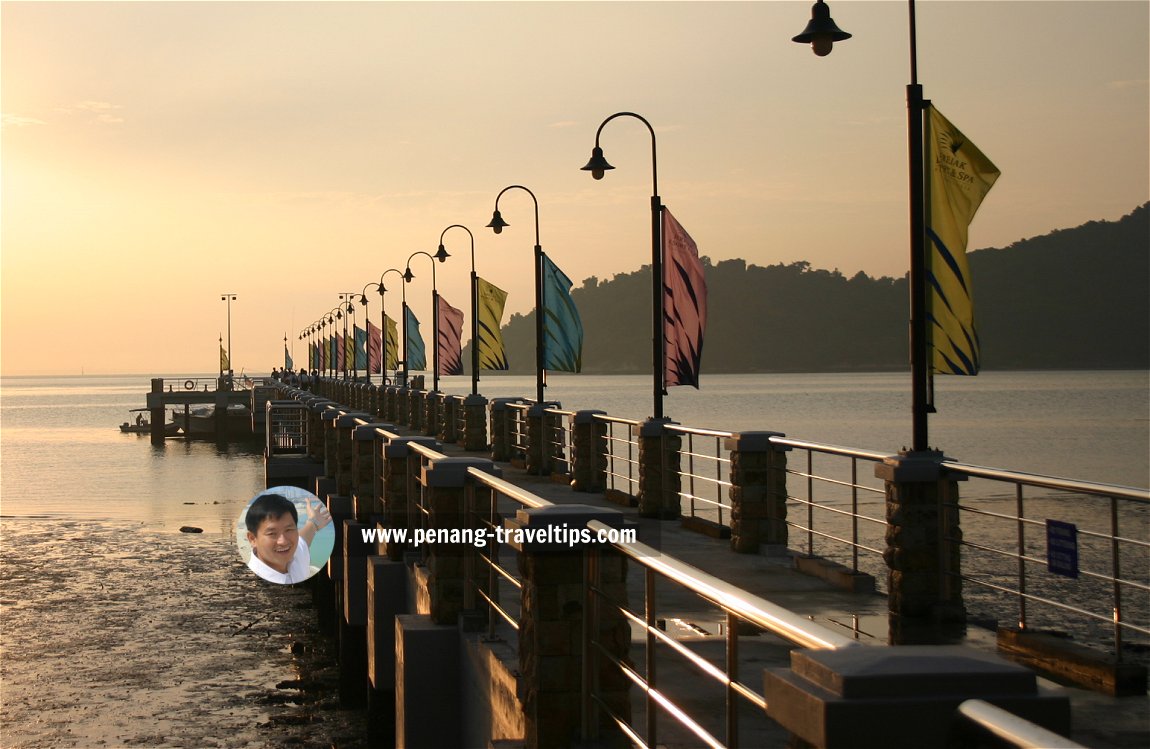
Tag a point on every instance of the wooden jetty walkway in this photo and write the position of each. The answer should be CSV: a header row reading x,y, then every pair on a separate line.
x,y
667,637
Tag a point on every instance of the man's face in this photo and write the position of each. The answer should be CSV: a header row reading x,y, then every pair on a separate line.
x,y
275,542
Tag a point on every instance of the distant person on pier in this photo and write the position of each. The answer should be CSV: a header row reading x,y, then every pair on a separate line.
x,y
280,547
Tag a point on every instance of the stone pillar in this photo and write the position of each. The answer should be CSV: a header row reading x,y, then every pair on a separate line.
x,y
414,405
363,472
551,636
341,432
474,437
501,428
659,479
758,491
537,441
444,483
430,405
448,415
396,502
925,598
588,452
156,412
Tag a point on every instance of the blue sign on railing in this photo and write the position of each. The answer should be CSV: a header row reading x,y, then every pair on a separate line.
x,y
1062,548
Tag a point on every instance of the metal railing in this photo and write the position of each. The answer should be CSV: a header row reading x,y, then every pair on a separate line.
x,y
1059,544
704,474
842,510
557,440
622,455
285,429
517,429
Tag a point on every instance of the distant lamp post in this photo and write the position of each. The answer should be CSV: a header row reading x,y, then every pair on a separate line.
x,y
229,298
497,225
822,34
598,166
441,255
383,321
349,344
474,306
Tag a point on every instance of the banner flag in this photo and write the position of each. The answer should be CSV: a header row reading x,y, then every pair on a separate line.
x,y
391,344
416,351
224,364
684,305
360,348
322,353
289,365
562,328
312,355
450,338
374,350
492,355
340,351
958,177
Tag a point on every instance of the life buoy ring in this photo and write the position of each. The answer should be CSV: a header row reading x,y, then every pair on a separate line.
x,y
189,384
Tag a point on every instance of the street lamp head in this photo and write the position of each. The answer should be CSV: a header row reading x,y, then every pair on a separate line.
x,y
339,314
821,32
363,299
597,165
497,223
408,275
350,308
441,254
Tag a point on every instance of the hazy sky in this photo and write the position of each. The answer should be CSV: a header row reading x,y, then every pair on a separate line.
x,y
156,155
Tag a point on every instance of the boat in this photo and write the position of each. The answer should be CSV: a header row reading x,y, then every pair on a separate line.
x,y
141,425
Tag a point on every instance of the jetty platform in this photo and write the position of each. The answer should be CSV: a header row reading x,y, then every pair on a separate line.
x,y
673,636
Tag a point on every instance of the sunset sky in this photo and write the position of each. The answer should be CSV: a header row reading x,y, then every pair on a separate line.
x,y
156,155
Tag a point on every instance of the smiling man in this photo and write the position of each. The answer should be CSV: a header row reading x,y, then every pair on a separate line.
x,y
280,547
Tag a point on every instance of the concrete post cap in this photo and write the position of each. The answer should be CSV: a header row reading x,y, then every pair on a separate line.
x,y
753,442
349,419
475,400
452,472
501,404
651,427
397,448
366,432
537,407
586,416
911,467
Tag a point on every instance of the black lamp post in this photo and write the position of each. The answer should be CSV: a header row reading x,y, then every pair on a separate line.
x,y
598,166
383,322
821,33
229,298
497,225
345,303
441,255
474,306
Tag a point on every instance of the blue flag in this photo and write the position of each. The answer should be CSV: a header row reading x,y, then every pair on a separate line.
x,y
360,348
416,351
562,328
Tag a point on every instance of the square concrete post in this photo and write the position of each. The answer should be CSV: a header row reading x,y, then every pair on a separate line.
x,y
448,416
659,461
551,632
396,502
501,428
588,452
758,491
427,699
363,481
538,449
444,482
342,431
474,423
922,548
430,406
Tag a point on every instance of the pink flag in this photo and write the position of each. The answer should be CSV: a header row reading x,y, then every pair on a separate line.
x,y
340,352
684,305
374,349
450,324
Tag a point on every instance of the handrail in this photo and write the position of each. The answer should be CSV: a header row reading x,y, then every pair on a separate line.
x,y
1009,727
758,611
823,447
698,431
507,489
1050,482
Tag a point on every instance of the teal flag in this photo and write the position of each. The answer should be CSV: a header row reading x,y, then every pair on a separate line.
x,y
360,348
562,328
416,351
288,363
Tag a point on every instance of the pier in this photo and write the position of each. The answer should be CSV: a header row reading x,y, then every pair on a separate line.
x,y
216,392
704,605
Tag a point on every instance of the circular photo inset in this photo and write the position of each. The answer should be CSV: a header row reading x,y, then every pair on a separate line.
x,y
285,535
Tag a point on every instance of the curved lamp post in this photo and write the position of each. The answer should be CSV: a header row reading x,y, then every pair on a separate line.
x,y
383,319
441,256
497,225
229,298
334,314
821,33
345,302
598,166
474,306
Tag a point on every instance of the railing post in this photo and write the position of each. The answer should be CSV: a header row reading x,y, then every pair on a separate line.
x,y
659,479
501,428
537,440
448,413
758,492
396,502
475,423
444,482
341,433
551,634
588,452
363,485
430,404
922,551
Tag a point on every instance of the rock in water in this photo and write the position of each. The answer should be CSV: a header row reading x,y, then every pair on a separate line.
x,y
190,529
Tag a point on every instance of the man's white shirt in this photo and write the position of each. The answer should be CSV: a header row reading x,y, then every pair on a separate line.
x,y
298,571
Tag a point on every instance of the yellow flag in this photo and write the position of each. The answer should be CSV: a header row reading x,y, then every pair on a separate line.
x,y
491,300
958,176
224,364
391,344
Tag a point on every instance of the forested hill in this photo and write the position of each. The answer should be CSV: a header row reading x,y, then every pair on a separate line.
x,y
1072,299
